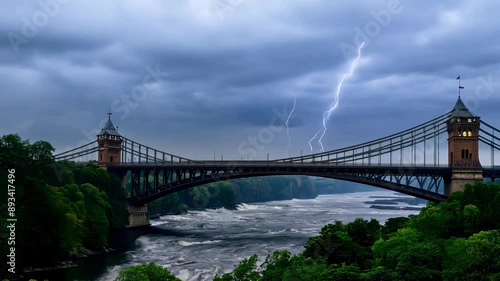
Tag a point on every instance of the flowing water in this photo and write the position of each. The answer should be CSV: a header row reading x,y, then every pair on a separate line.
x,y
200,244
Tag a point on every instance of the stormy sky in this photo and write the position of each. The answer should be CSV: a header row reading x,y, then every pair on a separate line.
x,y
202,76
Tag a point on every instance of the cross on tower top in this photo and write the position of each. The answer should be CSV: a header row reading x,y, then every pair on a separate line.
x,y
109,113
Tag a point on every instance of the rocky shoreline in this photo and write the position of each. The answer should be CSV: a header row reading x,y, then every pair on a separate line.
x,y
392,203
403,208
69,263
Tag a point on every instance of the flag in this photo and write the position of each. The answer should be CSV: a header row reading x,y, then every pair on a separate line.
x,y
458,78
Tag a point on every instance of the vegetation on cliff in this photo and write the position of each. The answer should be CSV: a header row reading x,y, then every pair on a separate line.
x,y
60,208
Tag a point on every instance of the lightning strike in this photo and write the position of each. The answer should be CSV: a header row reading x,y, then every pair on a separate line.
x,y
335,103
288,128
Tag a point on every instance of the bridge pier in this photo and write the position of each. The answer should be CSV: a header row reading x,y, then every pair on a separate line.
x,y
138,216
460,177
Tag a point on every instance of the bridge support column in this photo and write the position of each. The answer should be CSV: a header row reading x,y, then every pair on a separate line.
x,y
460,177
138,216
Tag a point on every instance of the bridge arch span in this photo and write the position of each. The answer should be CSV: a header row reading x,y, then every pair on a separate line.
x,y
149,183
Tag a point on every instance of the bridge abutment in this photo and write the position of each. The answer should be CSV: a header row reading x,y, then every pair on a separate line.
x,y
460,177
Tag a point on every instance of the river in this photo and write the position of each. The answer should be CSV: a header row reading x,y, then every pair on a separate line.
x,y
200,244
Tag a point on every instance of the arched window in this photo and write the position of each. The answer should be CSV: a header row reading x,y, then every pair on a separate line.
x,y
111,159
466,154
469,134
451,158
463,154
101,157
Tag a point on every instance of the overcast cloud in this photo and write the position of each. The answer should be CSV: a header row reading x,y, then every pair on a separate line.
x,y
191,77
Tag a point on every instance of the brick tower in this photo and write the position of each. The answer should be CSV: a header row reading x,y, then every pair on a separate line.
x,y
463,147
109,144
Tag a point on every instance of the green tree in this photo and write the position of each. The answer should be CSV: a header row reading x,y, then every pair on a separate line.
x,y
146,272
111,185
474,258
245,271
392,225
276,265
338,243
97,222
409,254
200,197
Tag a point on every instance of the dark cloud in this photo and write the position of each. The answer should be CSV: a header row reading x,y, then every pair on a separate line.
x,y
233,73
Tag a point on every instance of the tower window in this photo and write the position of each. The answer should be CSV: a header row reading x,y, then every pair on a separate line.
x,y
111,159
469,134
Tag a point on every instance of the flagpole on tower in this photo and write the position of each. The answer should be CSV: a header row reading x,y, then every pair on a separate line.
x,y
459,87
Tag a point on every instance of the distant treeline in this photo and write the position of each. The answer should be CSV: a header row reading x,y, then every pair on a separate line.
x,y
228,194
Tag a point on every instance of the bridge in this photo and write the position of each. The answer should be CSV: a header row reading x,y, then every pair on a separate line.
x,y
406,162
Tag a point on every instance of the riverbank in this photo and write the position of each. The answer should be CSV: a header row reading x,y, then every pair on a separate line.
x,y
70,262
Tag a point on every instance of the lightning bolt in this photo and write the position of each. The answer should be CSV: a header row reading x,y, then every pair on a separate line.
x,y
288,128
335,103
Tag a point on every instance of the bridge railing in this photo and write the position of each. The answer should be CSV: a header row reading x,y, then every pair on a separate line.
x,y
134,152
491,139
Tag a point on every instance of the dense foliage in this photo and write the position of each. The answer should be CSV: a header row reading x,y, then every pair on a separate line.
x,y
458,239
60,208
146,272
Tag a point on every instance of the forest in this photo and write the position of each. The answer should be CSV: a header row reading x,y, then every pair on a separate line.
x,y
60,208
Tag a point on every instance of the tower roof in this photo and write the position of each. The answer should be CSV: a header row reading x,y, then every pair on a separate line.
x,y
460,110
109,128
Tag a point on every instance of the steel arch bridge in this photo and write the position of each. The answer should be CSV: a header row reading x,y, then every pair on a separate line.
x,y
407,161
